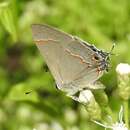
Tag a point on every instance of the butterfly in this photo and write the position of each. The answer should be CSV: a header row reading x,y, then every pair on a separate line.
x,y
74,63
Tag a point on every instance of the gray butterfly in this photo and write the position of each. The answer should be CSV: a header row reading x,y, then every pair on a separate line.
x,y
74,63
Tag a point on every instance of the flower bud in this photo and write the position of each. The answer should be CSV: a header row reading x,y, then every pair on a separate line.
x,y
86,97
100,95
123,71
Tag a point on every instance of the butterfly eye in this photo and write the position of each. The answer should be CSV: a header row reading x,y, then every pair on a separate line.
x,y
96,57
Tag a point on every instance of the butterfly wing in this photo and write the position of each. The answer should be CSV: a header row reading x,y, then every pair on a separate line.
x,y
68,59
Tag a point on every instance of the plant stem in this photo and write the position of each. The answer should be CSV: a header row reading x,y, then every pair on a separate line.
x,y
126,112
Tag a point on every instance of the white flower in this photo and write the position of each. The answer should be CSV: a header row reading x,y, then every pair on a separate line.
x,y
116,126
123,68
85,96
119,126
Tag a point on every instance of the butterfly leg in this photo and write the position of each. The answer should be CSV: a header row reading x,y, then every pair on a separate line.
x,y
74,97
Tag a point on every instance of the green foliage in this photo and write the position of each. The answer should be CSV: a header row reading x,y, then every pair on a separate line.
x,y
9,19
28,96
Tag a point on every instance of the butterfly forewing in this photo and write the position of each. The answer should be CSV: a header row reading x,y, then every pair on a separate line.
x,y
45,32
68,59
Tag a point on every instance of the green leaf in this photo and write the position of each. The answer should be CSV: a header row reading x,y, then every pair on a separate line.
x,y
8,19
21,92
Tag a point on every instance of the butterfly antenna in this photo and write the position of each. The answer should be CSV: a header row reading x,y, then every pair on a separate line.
x,y
113,46
110,52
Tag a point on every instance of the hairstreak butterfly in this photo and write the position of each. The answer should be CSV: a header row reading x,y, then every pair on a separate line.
x,y
73,62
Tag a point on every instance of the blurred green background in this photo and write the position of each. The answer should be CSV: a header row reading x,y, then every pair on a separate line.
x,y
28,97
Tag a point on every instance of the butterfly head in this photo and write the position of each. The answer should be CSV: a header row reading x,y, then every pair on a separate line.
x,y
103,58
106,58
